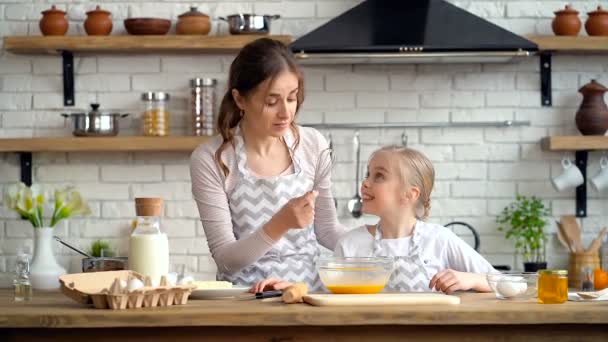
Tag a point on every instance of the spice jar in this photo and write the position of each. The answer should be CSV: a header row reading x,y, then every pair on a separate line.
x,y
203,106
155,117
552,286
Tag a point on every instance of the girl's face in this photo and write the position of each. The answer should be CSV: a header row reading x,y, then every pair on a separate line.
x,y
383,190
271,107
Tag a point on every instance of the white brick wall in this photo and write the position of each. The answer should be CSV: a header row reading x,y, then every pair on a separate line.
x,y
479,170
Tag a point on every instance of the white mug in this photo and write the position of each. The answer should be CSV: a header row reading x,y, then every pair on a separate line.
x,y
600,181
570,178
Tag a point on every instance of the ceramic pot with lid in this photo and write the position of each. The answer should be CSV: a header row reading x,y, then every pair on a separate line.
x,y
592,115
249,23
597,23
98,22
566,22
53,22
94,123
193,22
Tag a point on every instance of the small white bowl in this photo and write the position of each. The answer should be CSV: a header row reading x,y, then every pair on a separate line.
x,y
514,285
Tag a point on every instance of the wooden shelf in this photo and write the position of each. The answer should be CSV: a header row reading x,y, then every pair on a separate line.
x,y
131,44
577,44
575,143
102,144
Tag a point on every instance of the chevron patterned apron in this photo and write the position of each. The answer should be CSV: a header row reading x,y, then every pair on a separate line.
x,y
409,274
253,201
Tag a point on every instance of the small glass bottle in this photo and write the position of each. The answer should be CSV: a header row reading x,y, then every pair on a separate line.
x,y
155,116
587,276
552,286
203,106
23,287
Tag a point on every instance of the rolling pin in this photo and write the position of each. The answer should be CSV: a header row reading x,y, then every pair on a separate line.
x,y
294,293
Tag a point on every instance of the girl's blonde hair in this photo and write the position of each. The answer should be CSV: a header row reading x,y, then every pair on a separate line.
x,y
416,170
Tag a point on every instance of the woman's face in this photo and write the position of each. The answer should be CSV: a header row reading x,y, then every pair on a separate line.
x,y
271,107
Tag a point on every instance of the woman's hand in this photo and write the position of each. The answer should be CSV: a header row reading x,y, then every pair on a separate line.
x,y
270,284
298,212
449,281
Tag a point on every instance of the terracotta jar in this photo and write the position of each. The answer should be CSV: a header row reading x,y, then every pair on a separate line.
x,y
53,22
98,22
566,22
597,23
193,22
592,115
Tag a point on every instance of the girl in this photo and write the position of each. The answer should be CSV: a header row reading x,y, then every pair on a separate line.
x,y
427,256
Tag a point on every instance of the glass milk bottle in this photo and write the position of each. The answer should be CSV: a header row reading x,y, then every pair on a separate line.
x,y
148,245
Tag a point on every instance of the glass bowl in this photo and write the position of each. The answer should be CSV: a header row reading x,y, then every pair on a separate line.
x,y
514,285
355,275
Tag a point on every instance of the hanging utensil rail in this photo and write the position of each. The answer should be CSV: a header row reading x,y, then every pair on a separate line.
x,y
507,123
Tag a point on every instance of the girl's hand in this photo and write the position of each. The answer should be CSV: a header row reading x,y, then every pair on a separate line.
x,y
449,281
270,284
298,212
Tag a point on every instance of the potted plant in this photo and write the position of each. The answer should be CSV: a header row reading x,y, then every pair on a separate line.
x,y
29,203
524,222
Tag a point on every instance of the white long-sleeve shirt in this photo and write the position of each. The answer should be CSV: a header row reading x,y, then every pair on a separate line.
x,y
440,249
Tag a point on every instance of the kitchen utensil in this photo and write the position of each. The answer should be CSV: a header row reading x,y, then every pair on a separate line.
x,y
53,22
566,22
354,205
597,22
561,236
513,285
75,249
595,245
592,115
249,23
98,22
577,262
593,295
193,22
260,295
355,275
573,231
147,26
94,123
219,293
381,299
331,157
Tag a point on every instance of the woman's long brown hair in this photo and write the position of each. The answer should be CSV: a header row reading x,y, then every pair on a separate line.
x,y
260,60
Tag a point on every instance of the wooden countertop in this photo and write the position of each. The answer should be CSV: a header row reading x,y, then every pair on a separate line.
x,y
54,310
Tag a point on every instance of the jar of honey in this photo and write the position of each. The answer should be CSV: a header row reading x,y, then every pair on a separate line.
x,y
552,286
155,116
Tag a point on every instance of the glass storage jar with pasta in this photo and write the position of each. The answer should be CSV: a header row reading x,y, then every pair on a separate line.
x,y
155,116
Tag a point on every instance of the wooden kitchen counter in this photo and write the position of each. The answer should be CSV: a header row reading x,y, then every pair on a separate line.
x,y
478,316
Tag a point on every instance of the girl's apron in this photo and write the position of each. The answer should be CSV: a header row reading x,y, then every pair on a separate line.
x,y
253,201
409,274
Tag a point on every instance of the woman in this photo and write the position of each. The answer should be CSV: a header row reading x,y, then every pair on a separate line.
x,y
264,181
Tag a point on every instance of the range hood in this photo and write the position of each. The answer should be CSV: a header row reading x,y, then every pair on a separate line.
x,y
415,31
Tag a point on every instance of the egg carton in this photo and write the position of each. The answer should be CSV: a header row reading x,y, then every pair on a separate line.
x,y
93,288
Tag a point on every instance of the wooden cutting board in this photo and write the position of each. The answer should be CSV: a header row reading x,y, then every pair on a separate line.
x,y
381,299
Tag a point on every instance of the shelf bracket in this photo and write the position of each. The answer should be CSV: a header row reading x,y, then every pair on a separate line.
x,y
68,77
25,159
581,190
545,79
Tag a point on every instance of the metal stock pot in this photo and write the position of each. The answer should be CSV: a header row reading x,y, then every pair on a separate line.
x,y
249,23
94,123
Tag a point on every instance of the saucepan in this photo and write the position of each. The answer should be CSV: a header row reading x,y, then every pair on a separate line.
x,y
97,264
94,123
249,23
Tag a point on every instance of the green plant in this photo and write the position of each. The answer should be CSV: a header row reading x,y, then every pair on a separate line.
x,y
99,246
29,203
524,222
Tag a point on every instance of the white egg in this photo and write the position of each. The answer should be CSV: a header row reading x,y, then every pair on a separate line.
x,y
135,284
185,280
123,284
511,286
